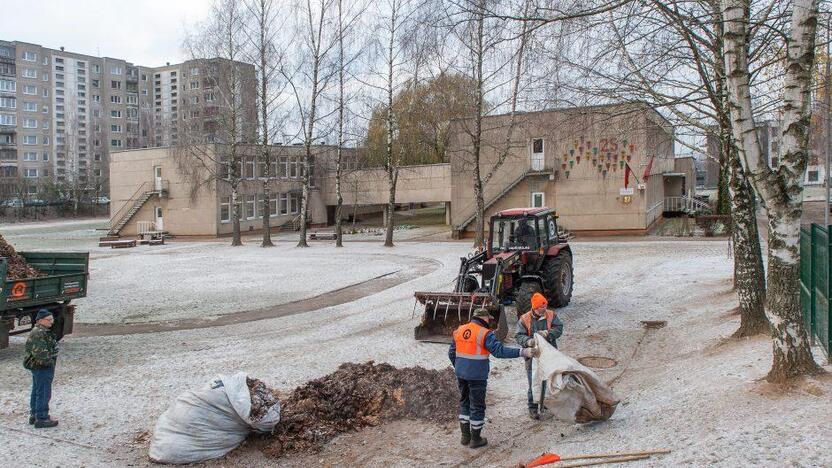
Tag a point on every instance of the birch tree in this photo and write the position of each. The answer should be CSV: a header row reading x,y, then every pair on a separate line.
x,y
781,187
209,152
267,58
308,81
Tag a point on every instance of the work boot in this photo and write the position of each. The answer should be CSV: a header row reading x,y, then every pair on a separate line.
x,y
31,419
476,440
466,433
534,414
41,423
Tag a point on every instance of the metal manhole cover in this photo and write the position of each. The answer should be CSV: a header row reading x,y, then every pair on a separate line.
x,y
598,362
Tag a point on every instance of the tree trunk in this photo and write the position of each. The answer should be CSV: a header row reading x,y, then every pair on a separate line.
x,y
338,197
235,217
267,212
781,188
749,274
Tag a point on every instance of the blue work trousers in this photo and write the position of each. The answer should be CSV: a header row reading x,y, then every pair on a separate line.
x,y
472,402
41,392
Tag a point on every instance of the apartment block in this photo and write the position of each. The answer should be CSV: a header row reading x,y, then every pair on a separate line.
x,y
63,113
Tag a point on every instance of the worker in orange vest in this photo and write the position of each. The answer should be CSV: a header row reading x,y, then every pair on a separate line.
x,y
543,321
473,343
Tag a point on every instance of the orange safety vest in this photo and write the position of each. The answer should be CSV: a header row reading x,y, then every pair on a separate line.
x,y
527,320
470,341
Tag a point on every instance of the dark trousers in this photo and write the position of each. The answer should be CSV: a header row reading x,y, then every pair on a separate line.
x,y
472,402
532,403
41,392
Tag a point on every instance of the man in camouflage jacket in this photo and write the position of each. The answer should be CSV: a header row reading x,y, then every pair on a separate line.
x,y
41,355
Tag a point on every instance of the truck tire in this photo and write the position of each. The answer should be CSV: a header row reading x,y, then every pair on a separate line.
x,y
58,325
558,278
523,298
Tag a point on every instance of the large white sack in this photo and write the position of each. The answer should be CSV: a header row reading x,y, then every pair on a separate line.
x,y
573,391
208,423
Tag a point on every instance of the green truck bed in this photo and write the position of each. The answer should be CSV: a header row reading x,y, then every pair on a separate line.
x,y
65,278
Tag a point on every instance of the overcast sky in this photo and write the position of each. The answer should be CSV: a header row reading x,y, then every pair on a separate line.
x,y
145,32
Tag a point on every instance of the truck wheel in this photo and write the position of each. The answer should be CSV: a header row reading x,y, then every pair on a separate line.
x,y
523,298
558,278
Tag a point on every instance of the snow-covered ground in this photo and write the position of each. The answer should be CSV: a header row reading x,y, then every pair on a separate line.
x,y
686,387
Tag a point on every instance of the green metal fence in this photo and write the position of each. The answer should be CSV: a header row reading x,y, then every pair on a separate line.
x,y
815,248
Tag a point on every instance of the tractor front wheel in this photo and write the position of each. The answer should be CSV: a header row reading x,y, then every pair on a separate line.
x,y
523,298
558,278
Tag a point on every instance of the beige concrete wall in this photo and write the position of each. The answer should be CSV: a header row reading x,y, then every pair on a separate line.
x,y
430,183
576,141
687,166
132,172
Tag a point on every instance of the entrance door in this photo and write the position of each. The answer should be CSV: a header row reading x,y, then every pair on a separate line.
x,y
160,226
537,161
157,178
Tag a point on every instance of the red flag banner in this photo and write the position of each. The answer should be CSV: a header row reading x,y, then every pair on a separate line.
x,y
648,169
626,175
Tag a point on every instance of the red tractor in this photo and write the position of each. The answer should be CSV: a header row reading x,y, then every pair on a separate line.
x,y
524,255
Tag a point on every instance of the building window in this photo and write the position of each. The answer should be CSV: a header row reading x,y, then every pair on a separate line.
x,y
115,84
194,71
8,102
30,140
30,73
293,167
249,173
46,141
96,68
115,70
30,156
30,123
8,119
116,114
813,176
45,125
115,143
132,99
250,206
225,210
538,199
30,56
30,106
30,90
272,204
30,173
6,85
284,203
45,156
115,128
115,99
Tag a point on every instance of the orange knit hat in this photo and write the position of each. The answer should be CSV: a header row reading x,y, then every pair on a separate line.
x,y
539,301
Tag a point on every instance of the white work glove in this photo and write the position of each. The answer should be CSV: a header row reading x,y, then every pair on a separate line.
x,y
530,352
543,334
531,342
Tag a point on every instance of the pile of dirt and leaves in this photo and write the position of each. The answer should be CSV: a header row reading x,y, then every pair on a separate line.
x,y
360,395
263,398
17,267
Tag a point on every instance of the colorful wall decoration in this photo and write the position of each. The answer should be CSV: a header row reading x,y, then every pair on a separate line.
x,y
607,155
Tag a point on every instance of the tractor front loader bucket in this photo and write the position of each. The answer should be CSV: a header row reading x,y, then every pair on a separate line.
x,y
444,312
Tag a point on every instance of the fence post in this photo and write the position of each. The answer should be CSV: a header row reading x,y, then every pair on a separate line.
x,y
828,311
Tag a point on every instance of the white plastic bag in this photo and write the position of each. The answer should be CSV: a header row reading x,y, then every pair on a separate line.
x,y
574,391
208,423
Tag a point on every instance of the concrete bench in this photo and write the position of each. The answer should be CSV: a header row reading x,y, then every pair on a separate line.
x,y
121,244
323,236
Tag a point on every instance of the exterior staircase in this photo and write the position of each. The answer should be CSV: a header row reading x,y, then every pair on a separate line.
x,y
493,200
129,209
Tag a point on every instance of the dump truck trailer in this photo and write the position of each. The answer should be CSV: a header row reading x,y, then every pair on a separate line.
x,y
65,276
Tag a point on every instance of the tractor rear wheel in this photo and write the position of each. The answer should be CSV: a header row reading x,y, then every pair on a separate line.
x,y
523,298
557,276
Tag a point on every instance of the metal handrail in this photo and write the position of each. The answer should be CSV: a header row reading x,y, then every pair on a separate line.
x,y
685,204
130,201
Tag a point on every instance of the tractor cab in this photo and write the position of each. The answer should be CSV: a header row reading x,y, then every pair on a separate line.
x,y
522,229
